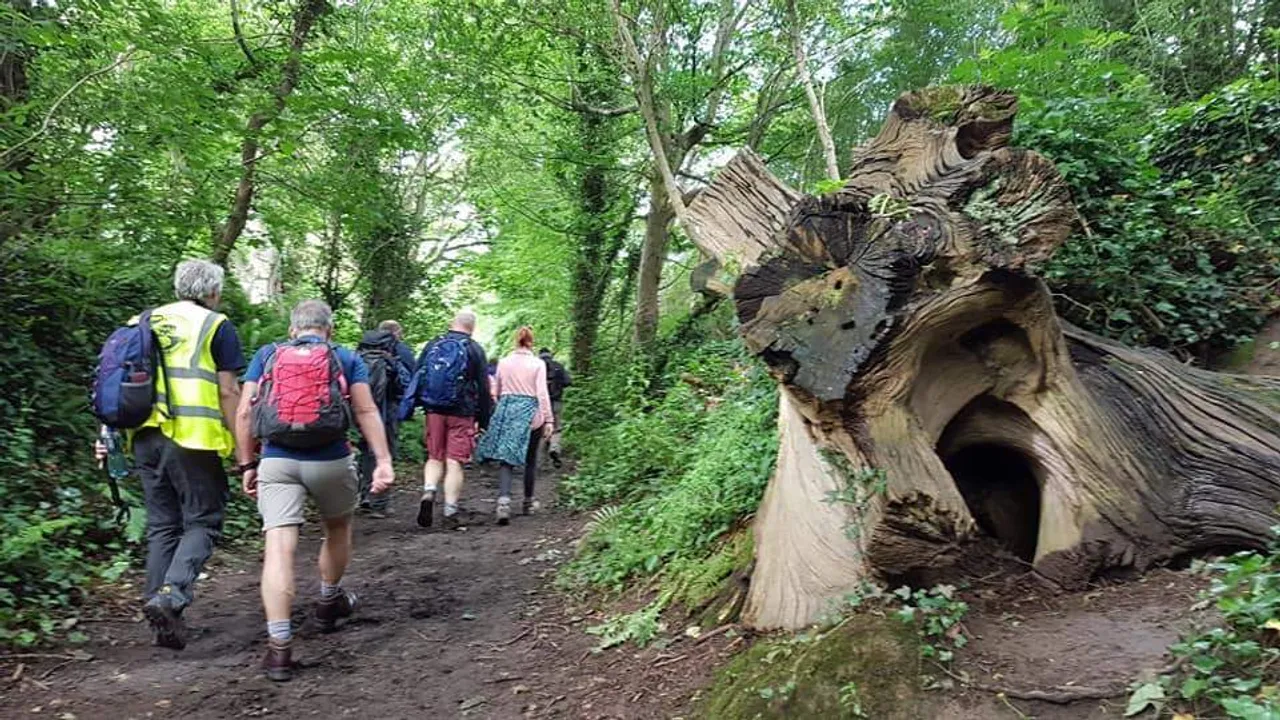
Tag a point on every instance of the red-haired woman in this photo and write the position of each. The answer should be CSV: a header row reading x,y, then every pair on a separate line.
x,y
522,416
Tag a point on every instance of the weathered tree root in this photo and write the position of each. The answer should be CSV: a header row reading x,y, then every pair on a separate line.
x,y
928,382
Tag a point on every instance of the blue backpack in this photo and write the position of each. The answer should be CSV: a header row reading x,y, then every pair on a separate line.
x,y
124,384
443,374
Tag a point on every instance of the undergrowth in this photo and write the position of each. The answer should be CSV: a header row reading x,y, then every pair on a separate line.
x,y
675,464
58,536
1231,668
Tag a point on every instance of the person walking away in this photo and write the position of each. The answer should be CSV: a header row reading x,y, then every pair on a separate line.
x,y
403,351
388,380
178,450
298,400
558,379
453,387
519,421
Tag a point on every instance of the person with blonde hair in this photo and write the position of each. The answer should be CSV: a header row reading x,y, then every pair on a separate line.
x,y
523,414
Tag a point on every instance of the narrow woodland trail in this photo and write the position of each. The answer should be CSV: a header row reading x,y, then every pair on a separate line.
x,y
467,624
460,624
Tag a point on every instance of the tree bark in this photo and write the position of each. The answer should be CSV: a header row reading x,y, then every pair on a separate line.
x,y
653,255
14,91
304,19
593,206
670,147
816,106
600,241
928,382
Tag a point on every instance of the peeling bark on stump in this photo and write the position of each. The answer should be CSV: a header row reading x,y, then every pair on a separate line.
x,y
903,318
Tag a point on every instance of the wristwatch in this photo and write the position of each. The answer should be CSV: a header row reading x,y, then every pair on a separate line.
x,y
242,469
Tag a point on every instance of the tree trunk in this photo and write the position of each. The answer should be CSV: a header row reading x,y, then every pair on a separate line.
x,y
308,12
593,204
928,383
589,308
15,91
653,254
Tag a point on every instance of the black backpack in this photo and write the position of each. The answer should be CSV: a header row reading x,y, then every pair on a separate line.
x,y
555,378
378,350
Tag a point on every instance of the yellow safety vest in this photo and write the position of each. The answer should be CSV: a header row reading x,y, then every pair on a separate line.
x,y
188,408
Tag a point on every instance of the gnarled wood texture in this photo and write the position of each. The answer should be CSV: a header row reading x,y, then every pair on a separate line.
x,y
903,318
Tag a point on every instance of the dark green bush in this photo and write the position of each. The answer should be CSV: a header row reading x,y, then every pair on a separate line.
x,y
61,300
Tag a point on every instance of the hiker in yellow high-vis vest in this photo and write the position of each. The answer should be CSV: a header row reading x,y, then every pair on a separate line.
x,y
179,451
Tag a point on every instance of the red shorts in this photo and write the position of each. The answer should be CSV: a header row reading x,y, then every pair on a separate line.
x,y
449,437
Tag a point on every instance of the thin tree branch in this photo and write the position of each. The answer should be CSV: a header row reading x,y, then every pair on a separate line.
x,y
648,109
235,28
48,116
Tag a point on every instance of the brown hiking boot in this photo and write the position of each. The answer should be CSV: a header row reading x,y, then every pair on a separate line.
x,y
278,662
330,611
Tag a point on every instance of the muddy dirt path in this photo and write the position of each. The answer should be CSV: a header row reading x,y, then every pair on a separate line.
x,y
467,624
453,624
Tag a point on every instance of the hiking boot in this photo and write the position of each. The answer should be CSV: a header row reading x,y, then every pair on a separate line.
x,y
426,508
451,522
330,610
278,662
555,459
165,617
504,511
529,506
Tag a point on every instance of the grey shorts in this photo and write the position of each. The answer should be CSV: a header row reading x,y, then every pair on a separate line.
x,y
284,484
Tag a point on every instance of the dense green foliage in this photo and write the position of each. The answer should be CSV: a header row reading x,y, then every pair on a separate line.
x,y
1230,667
1178,245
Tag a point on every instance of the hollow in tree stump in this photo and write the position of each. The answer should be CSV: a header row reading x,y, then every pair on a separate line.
x,y
931,390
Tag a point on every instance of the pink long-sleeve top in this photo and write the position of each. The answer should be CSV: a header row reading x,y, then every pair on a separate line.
x,y
523,373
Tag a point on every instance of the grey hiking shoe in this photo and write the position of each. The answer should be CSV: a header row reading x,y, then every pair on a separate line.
x,y
451,521
426,508
330,610
165,618
504,511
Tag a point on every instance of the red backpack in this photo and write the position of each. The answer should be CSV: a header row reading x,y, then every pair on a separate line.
x,y
302,399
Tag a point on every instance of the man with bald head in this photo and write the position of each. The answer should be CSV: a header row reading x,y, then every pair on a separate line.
x,y
455,392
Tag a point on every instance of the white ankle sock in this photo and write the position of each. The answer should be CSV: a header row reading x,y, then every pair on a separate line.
x,y
280,630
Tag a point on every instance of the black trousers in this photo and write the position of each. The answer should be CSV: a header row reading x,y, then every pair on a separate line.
x,y
186,494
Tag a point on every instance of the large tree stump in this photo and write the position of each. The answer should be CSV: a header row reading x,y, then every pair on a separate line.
x,y
928,383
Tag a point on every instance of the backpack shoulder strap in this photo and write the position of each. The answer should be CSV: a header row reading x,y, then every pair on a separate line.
x,y
269,362
335,366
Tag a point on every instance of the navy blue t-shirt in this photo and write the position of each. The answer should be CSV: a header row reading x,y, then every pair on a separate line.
x,y
356,373
228,354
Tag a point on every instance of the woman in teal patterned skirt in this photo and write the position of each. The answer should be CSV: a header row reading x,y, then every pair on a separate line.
x,y
522,416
